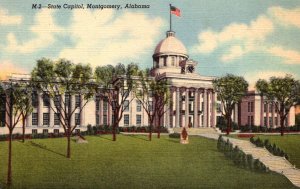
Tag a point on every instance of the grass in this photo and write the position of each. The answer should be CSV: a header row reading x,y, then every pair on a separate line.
x,y
130,162
289,143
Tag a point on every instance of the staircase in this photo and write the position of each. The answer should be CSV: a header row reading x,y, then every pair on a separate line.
x,y
274,163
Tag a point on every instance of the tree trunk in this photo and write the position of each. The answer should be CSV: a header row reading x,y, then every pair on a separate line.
x,y
69,143
228,125
158,132
23,130
150,133
281,125
9,167
114,131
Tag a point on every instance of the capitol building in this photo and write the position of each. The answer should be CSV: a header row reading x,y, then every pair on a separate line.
x,y
193,100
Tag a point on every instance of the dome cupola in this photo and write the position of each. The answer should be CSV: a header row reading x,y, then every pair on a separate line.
x,y
168,54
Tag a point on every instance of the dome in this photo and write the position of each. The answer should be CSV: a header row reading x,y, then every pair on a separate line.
x,y
170,45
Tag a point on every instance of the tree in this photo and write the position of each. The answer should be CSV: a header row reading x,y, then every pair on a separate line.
x,y
115,86
283,92
144,95
12,96
230,90
63,77
23,104
161,97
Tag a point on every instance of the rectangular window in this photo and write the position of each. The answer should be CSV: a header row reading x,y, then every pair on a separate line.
x,y
105,104
45,118
77,118
34,99
252,106
97,105
2,118
113,105
252,120
126,119
56,131
34,131
77,101
138,106
57,101
270,122
56,119
97,119
150,108
138,119
265,107
271,108
126,106
112,119
34,118
67,99
265,121
45,131
46,100
249,108
202,106
276,121
104,119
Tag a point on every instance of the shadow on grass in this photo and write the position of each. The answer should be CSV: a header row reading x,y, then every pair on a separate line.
x,y
102,136
41,146
138,137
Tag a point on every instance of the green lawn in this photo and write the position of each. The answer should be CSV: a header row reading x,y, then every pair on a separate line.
x,y
289,143
130,162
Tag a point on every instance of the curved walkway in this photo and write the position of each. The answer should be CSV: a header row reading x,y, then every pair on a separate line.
x,y
274,163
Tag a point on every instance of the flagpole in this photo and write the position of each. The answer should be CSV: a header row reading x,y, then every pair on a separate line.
x,y
170,18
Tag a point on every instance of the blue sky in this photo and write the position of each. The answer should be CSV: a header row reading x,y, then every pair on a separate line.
x,y
252,38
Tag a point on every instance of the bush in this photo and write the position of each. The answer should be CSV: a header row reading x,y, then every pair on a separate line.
x,y
174,135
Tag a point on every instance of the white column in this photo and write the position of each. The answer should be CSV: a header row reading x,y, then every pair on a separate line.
x,y
29,116
186,107
196,108
51,113
72,108
40,109
177,124
101,111
205,112
213,109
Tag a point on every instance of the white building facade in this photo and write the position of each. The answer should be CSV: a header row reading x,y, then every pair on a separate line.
x,y
193,101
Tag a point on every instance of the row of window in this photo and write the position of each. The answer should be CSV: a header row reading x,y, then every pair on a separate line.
x,y
270,121
269,107
126,119
55,131
125,106
57,100
46,119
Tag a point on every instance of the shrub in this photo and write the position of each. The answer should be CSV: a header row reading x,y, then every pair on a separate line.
x,y
174,135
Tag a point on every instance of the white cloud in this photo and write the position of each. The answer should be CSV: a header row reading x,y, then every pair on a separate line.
x,y
236,35
6,19
109,39
286,16
238,39
44,31
290,56
8,67
253,77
